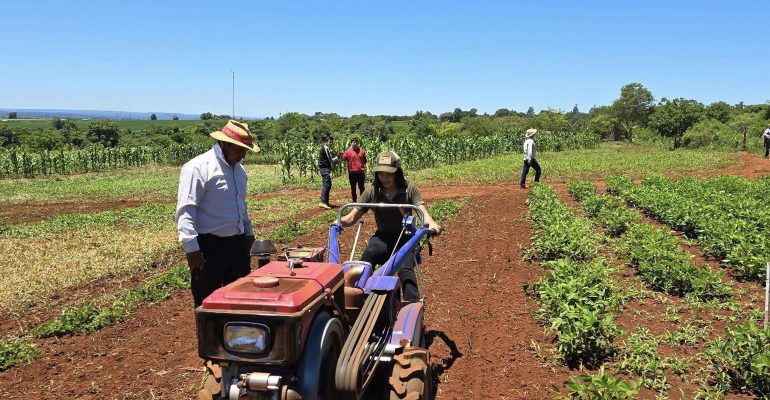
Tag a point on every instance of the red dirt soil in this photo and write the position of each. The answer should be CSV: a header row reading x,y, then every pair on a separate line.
x,y
479,319
21,213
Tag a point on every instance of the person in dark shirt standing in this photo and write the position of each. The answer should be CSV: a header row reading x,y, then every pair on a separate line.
x,y
356,158
326,158
390,186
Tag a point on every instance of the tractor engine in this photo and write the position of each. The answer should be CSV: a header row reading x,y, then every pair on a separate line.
x,y
256,328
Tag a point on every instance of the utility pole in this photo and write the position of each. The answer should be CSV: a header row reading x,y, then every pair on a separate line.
x,y
233,93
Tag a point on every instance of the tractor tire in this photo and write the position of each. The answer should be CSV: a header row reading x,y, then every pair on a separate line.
x,y
319,361
412,378
212,387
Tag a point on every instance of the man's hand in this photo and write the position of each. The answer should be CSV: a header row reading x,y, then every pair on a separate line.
x,y
529,162
195,260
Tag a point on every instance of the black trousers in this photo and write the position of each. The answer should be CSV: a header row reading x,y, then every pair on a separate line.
x,y
356,179
525,171
326,177
767,147
227,259
378,251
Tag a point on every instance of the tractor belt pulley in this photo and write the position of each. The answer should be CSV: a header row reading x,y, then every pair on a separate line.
x,y
358,352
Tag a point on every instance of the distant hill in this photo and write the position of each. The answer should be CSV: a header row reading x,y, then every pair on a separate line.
x,y
96,114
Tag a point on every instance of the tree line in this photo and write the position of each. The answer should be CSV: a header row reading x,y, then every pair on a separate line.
x,y
634,116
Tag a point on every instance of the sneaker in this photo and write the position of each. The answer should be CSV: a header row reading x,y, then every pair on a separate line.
x,y
523,186
324,205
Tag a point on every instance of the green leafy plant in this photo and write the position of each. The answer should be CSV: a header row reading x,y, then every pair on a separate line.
x,y
741,360
640,356
601,386
15,351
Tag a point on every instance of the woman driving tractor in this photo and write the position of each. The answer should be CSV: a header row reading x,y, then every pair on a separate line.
x,y
391,187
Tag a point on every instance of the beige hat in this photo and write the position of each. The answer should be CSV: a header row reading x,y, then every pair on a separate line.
x,y
387,161
530,132
236,133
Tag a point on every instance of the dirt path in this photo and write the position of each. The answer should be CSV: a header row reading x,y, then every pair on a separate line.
x,y
479,319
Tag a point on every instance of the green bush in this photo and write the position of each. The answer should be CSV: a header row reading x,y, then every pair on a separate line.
x,y
711,134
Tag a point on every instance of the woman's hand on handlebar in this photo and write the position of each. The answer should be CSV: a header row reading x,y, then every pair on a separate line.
x,y
436,228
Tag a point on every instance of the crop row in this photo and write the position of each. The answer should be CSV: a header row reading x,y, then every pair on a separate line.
x,y
578,297
739,362
654,253
299,158
15,163
728,232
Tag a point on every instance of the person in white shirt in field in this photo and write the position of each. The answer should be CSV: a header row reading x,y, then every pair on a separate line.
x,y
211,215
766,137
529,158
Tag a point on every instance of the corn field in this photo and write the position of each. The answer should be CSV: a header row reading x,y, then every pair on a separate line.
x,y
300,159
17,163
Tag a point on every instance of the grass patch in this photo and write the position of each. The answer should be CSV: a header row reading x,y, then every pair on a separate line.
x,y
43,257
147,184
585,163
443,210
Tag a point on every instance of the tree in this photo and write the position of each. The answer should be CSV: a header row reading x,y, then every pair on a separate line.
x,y
502,112
13,115
104,132
672,118
530,112
153,117
67,127
207,115
719,111
9,137
175,118
457,114
632,108
45,139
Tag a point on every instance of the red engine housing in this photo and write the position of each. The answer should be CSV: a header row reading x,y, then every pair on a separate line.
x,y
285,301
291,293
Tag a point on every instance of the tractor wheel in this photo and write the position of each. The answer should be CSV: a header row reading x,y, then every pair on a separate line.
x,y
411,378
212,387
319,361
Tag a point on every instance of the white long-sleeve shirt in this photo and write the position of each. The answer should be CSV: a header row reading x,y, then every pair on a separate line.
x,y
529,149
766,134
211,199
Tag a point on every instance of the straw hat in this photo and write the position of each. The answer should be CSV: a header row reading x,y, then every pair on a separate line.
x,y
387,161
236,133
530,132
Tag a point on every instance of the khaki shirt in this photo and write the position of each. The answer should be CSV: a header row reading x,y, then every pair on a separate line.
x,y
389,219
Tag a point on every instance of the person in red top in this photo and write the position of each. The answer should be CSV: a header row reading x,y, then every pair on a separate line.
x,y
356,158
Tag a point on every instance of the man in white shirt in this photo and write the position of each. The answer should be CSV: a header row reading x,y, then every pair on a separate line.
x,y
766,137
529,158
211,215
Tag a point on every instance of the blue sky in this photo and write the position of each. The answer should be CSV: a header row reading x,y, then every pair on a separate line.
x,y
377,57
